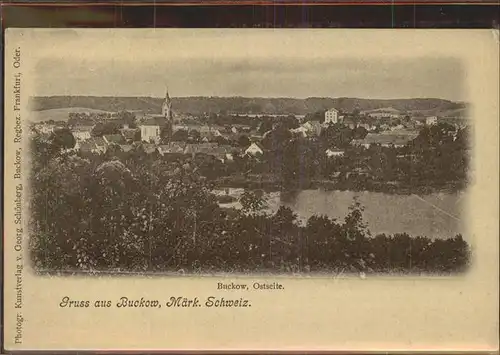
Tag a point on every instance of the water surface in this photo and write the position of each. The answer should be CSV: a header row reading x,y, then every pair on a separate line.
x,y
437,215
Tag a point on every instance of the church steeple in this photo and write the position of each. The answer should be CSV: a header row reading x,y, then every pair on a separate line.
x,y
166,109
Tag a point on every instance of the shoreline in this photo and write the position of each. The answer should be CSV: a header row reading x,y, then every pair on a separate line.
x,y
276,186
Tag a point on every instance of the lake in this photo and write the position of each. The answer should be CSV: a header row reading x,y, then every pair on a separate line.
x,y
437,215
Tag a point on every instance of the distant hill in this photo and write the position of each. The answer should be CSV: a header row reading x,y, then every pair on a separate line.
x,y
59,114
382,110
457,112
197,105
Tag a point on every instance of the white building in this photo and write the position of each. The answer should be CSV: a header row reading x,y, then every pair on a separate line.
x,y
254,149
384,115
81,134
313,128
150,132
334,153
45,128
432,120
300,130
331,116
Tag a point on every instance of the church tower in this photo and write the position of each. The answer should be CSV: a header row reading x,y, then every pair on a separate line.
x,y
166,109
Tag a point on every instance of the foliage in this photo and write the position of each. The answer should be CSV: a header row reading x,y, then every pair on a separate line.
x,y
252,202
105,128
243,141
180,135
437,158
62,139
200,105
166,132
138,212
127,117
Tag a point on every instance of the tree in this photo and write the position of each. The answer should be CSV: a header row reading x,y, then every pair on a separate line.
x,y
180,135
137,136
63,139
290,122
114,150
212,117
252,202
166,132
316,116
359,133
337,135
462,138
265,125
221,140
194,135
243,141
284,218
128,118
106,128
76,119
277,138
42,151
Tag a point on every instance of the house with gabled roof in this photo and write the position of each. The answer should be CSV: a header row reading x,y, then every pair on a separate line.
x,y
100,144
334,152
332,116
149,148
254,149
126,147
176,148
81,133
312,128
114,138
95,145
129,133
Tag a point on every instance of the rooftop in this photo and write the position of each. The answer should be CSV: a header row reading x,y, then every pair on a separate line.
x,y
396,139
154,121
98,141
114,138
172,148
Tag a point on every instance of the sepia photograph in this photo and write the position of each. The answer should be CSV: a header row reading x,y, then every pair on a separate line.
x,y
232,190
248,164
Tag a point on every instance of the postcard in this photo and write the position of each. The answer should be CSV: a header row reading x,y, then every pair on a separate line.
x,y
244,189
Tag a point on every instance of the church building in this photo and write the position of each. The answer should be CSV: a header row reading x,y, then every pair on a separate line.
x,y
157,126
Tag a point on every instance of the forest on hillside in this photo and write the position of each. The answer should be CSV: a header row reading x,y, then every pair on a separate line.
x,y
198,105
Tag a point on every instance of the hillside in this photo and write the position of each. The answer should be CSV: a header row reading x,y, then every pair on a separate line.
x,y
59,114
382,109
196,105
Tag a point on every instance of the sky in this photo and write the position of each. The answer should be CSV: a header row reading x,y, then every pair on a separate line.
x,y
218,63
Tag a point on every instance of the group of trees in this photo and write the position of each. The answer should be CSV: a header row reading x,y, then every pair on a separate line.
x,y
437,158
113,126
224,119
105,213
104,123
